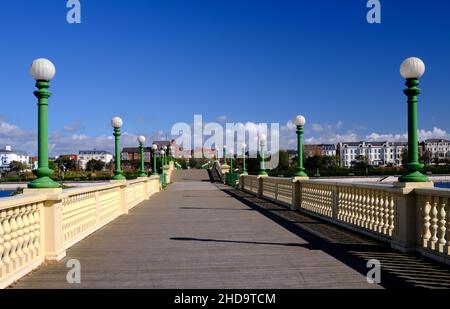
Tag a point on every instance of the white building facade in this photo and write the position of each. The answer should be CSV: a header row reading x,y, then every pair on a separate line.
x,y
438,148
375,153
7,155
86,155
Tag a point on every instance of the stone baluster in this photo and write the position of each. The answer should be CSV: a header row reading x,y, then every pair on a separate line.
x,y
37,225
434,223
372,209
441,228
2,242
376,210
426,233
7,245
26,230
20,240
447,231
387,203
364,213
14,239
391,215
356,206
351,207
345,214
381,212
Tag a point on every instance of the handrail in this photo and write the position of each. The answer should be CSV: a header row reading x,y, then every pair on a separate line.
x,y
41,225
384,211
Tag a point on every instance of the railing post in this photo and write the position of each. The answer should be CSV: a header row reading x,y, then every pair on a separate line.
x,y
261,185
335,202
404,237
297,192
241,182
145,184
123,199
97,208
52,223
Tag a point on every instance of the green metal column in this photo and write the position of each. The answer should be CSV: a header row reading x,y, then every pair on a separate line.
x,y
118,169
224,155
43,172
154,172
244,167
300,168
262,167
413,166
142,172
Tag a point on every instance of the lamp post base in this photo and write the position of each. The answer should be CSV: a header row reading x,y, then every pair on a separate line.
x,y
300,174
263,173
143,175
119,177
413,177
43,183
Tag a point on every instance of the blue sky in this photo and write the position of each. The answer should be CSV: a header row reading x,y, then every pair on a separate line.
x,y
156,63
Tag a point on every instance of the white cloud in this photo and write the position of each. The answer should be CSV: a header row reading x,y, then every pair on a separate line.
x,y
317,127
64,141
222,118
332,134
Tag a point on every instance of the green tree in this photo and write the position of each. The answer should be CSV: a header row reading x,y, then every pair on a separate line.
x,y
18,167
283,160
71,165
95,165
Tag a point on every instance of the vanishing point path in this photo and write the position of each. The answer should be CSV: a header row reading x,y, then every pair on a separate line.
x,y
201,234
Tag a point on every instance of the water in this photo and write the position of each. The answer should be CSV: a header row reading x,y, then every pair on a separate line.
x,y
6,193
442,185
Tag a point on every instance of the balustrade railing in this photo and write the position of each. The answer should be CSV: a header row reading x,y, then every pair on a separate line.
x,y
21,236
411,219
39,226
434,222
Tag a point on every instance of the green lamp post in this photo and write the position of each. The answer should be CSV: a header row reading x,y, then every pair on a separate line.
x,y
224,154
117,123
154,149
412,69
262,142
141,141
231,160
42,71
244,167
163,155
300,123
172,152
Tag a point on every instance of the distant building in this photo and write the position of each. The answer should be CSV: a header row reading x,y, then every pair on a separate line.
x,y
86,155
131,156
375,153
73,157
161,144
310,150
7,155
436,149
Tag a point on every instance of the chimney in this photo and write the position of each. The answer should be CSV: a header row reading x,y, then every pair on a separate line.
x,y
8,148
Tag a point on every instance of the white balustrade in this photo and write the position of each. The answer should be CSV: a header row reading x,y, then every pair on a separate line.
x,y
434,221
42,224
386,212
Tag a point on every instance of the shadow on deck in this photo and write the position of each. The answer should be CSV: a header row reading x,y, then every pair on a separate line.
x,y
398,270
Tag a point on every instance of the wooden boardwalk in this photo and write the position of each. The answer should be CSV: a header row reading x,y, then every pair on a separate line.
x,y
199,234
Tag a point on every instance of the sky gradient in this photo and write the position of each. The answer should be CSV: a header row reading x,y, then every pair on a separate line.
x,y
156,63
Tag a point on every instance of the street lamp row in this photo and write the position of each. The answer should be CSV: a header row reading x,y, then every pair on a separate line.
x,y
43,71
